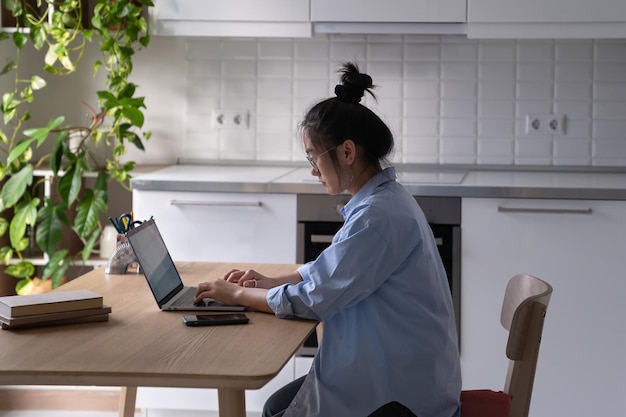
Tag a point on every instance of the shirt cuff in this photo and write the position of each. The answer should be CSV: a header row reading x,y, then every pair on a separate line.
x,y
278,301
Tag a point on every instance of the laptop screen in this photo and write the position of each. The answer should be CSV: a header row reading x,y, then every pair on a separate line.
x,y
155,261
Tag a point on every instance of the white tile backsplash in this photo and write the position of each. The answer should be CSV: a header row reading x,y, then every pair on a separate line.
x,y
448,100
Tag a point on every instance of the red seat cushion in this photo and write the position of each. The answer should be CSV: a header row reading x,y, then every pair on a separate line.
x,y
485,403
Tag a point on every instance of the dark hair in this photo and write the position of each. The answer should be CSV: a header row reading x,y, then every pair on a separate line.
x,y
330,122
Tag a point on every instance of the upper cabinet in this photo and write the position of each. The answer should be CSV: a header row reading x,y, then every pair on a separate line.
x,y
433,11
255,18
546,19
477,19
390,16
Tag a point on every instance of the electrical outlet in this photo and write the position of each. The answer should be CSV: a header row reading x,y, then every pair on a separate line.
x,y
230,119
545,124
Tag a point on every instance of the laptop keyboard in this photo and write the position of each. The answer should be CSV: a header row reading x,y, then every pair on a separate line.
x,y
187,298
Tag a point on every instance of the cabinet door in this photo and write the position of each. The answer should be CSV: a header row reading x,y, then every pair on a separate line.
x,y
388,11
236,227
234,10
508,11
579,248
262,18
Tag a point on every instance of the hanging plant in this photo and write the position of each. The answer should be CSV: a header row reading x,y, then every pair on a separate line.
x,y
61,30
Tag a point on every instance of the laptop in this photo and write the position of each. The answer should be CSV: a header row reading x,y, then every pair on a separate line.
x,y
162,275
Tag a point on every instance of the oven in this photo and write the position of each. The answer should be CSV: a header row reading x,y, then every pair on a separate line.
x,y
319,219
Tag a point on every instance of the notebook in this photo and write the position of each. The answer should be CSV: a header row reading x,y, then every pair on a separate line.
x,y
162,275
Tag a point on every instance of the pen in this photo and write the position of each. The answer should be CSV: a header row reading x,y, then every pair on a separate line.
x,y
115,225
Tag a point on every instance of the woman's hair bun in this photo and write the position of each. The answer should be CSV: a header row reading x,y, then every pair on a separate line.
x,y
354,84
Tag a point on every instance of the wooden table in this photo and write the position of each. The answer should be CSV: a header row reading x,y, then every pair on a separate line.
x,y
143,346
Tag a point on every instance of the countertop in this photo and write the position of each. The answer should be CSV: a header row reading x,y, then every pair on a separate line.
x,y
450,182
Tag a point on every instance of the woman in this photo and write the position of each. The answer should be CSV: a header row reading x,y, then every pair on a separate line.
x,y
380,288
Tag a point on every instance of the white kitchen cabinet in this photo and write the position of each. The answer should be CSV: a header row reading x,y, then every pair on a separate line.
x,y
546,19
388,11
265,18
229,227
580,248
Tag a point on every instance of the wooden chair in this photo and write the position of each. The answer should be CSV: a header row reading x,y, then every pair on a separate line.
x,y
523,312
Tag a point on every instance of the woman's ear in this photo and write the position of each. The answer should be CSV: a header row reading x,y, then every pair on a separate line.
x,y
348,151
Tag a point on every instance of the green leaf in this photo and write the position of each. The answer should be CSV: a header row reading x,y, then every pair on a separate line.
x,y
10,66
135,140
4,225
15,187
41,133
18,150
20,39
106,96
51,57
49,229
88,212
88,248
6,254
57,261
70,184
37,83
61,146
21,284
38,36
134,115
25,215
14,6
21,270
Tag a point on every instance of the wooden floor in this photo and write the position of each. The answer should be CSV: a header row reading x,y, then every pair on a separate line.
x,y
59,402
59,399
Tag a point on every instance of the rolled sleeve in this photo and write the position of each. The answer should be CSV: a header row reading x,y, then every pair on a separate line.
x,y
279,302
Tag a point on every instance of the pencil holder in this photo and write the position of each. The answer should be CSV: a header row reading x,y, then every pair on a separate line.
x,y
122,258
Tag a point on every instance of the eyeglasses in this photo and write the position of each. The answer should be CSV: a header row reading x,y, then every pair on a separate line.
x,y
313,159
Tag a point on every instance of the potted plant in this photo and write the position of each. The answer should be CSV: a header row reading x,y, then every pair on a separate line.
x,y
62,29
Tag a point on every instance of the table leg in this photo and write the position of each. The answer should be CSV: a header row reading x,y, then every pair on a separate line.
x,y
128,395
232,402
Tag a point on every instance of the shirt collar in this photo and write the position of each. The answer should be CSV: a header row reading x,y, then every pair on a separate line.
x,y
384,176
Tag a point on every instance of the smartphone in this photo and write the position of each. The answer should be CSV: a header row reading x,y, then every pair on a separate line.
x,y
215,319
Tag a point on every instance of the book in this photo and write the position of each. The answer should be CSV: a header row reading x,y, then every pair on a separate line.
x,y
84,319
49,302
50,317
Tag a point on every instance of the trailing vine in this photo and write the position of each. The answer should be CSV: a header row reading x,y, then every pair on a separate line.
x,y
57,29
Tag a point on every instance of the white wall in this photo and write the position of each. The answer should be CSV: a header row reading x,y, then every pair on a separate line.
x,y
159,72
448,100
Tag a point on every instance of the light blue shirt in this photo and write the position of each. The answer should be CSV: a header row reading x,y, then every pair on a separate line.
x,y
382,293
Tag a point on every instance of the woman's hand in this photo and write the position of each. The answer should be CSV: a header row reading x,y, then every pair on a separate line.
x,y
220,290
247,288
248,278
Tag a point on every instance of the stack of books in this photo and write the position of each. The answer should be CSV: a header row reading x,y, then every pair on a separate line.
x,y
52,308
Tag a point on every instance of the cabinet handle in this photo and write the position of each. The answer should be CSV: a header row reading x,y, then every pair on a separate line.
x,y
544,210
321,238
216,203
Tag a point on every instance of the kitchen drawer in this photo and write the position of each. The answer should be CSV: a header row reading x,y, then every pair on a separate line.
x,y
217,227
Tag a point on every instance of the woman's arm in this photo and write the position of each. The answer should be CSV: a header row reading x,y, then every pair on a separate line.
x,y
251,278
246,288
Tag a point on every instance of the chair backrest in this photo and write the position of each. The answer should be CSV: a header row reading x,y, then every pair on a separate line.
x,y
523,312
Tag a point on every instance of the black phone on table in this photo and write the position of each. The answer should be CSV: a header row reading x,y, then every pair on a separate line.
x,y
215,319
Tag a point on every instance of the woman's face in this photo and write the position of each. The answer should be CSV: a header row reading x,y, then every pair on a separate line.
x,y
323,168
